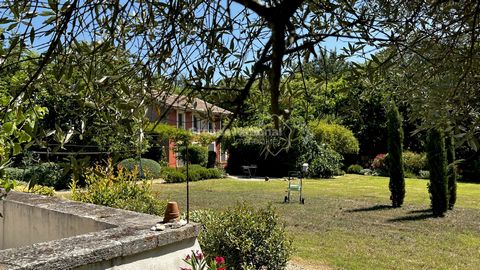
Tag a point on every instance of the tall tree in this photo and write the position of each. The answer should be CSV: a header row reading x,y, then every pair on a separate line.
x,y
452,172
437,162
395,149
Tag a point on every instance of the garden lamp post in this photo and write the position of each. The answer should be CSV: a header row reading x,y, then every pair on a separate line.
x,y
304,168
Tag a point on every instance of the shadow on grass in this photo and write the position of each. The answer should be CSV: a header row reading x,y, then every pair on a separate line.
x,y
420,211
412,217
369,209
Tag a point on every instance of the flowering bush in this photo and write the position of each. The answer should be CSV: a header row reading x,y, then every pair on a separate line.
x,y
198,262
380,165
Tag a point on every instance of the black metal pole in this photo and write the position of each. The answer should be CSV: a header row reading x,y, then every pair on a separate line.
x,y
188,184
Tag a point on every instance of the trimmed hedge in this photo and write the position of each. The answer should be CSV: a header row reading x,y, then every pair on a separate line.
x,y
47,174
195,172
151,168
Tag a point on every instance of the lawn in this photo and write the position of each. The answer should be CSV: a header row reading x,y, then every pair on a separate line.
x,y
346,223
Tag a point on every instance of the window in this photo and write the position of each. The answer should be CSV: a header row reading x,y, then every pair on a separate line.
x,y
210,126
195,123
180,120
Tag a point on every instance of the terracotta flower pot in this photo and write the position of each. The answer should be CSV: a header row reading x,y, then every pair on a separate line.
x,y
172,213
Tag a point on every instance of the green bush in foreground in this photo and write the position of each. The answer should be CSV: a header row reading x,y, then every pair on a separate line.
x,y
119,190
246,237
437,162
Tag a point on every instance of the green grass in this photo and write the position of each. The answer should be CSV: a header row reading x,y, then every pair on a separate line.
x,y
346,223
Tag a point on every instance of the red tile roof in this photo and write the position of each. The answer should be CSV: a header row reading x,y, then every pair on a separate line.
x,y
188,103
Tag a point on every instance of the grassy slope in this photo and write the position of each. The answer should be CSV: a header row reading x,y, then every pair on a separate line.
x,y
346,223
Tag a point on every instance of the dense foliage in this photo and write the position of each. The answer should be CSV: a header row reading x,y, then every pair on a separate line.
x,y
248,238
355,168
414,162
48,174
36,189
197,154
146,168
337,137
437,162
395,159
247,146
195,173
119,189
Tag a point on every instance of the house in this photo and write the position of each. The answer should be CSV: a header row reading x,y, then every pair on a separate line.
x,y
188,113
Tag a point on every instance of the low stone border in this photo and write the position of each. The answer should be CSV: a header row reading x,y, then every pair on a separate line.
x,y
126,233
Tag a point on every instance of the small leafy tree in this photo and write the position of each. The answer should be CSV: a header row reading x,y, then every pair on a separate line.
x,y
452,173
437,162
395,149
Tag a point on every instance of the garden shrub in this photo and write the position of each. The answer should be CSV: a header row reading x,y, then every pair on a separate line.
x,y
118,189
424,174
151,168
246,237
338,137
47,174
414,162
14,174
354,168
325,164
196,173
197,154
380,165
36,189
171,175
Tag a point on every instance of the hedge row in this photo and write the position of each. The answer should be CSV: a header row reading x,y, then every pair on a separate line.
x,y
195,172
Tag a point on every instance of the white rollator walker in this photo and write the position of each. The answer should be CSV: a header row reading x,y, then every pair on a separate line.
x,y
295,184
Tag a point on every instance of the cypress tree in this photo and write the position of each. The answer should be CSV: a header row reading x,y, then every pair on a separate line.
x,y
437,162
395,149
452,173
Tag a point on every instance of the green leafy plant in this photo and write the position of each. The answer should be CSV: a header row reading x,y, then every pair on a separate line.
x,y
47,174
36,189
414,162
197,154
354,168
151,168
117,188
248,238
338,137
325,164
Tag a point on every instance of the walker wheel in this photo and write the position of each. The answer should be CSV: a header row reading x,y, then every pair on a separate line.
x,y
285,200
303,201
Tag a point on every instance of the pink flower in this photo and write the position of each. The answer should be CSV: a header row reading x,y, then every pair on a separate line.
x,y
187,258
222,268
199,255
219,260
184,268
